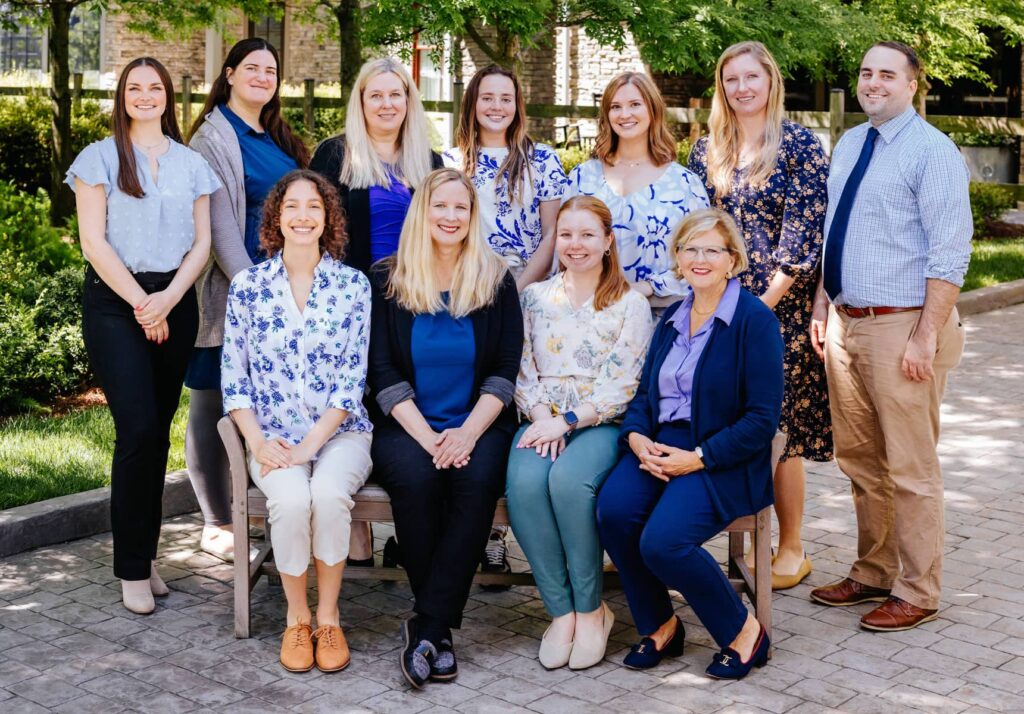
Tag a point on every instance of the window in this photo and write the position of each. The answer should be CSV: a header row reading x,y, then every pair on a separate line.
x,y
21,48
26,47
428,72
270,29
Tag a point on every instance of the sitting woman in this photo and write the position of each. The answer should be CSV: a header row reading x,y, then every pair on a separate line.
x,y
586,338
293,373
699,432
447,339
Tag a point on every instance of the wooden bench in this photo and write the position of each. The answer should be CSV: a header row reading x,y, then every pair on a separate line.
x,y
372,506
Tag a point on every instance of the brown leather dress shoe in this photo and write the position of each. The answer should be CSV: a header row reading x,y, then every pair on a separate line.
x,y
332,653
847,592
297,648
894,615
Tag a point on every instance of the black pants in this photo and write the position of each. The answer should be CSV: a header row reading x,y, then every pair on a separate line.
x,y
442,517
142,382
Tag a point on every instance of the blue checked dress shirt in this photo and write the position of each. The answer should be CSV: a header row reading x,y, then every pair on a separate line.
x,y
911,218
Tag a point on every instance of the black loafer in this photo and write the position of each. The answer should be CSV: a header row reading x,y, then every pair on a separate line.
x,y
417,658
728,664
645,654
445,667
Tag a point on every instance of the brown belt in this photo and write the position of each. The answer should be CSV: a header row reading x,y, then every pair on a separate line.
x,y
872,311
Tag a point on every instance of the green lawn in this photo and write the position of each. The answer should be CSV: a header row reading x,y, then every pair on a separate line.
x,y
994,262
42,457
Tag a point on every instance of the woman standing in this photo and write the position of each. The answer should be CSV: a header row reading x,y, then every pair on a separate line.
x,y
241,133
586,338
519,183
444,353
294,370
144,218
770,175
380,160
634,172
699,432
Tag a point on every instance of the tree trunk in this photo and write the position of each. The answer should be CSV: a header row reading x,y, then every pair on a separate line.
x,y
921,98
346,12
62,203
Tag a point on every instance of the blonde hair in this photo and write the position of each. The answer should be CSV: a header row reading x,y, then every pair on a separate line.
x,y
661,145
710,219
613,284
413,277
724,142
362,166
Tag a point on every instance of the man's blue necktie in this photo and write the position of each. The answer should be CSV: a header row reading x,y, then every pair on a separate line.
x,y
833,269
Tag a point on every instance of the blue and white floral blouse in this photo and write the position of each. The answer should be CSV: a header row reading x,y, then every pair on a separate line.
x,y
645,219
290,367
513,228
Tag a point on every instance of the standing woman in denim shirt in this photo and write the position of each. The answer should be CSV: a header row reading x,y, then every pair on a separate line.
x,y
144,219
241,133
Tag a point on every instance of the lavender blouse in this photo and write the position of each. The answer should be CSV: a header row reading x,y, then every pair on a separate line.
x,y
675,381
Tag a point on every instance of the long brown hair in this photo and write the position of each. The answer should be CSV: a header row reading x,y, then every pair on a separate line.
x,y
613,284
516,166
661,145
333,240
121,123
270,114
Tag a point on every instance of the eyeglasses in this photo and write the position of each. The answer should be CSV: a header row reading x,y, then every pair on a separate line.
x,y
710,253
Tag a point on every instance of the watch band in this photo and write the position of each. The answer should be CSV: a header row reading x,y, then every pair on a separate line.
x,y
699,451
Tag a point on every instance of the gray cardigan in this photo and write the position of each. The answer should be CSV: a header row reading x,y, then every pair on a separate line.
x,y
217,142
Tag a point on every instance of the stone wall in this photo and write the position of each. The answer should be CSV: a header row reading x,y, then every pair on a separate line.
x,y
586,67
181,56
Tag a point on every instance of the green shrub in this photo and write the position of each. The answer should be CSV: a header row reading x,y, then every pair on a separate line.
x,y
979,138
683,148
572,156
25,128
25,231
18,347
988,203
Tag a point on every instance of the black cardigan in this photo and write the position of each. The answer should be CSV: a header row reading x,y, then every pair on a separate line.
x,y
327,160
497,330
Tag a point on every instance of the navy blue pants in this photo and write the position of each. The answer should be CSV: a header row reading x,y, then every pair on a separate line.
x,y
653,532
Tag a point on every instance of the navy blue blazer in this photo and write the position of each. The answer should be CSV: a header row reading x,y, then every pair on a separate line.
x,y
737,401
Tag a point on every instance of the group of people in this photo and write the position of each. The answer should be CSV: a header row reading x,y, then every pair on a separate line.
x,y
478,324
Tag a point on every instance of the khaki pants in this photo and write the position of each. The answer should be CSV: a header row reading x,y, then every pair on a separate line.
x,y
886,429
312,504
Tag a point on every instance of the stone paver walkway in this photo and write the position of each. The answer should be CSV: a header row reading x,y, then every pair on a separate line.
x,y
67,645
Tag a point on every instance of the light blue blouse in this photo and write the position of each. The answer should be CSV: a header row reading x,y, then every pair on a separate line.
x,y
152,233
290,367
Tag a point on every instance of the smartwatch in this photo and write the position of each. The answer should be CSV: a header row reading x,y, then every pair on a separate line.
x,y
571,420
700,453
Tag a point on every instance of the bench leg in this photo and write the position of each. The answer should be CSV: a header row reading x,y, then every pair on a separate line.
x,y
242,581
763,574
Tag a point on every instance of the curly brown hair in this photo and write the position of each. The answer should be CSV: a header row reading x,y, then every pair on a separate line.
x,y
333,240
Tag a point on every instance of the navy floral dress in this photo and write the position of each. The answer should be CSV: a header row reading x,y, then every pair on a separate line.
x,y
782,222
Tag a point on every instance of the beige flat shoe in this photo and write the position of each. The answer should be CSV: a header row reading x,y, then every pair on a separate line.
x,y
218,543
553,654
157,586
587,652
137,596
785,582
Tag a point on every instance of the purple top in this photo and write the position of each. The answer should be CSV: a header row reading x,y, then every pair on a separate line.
x,y
388,207
675,381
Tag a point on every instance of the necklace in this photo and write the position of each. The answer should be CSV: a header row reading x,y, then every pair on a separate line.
x,y
150,147
693,308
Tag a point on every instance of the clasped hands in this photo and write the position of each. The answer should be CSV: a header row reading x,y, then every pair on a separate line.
x,y
151,314
546,436
661,460
450,448
277,453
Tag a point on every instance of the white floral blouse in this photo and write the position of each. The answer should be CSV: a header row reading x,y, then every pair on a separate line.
x,y
290,367
513,228
573,357
645,219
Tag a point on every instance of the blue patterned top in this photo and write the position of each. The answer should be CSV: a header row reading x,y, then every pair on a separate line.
x,y
911,219
155,232
513,228
645,219
291,367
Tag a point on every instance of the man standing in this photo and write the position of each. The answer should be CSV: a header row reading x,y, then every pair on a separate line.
x,y
897,245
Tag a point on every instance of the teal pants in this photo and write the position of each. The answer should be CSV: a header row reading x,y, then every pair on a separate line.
x,y
552,508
